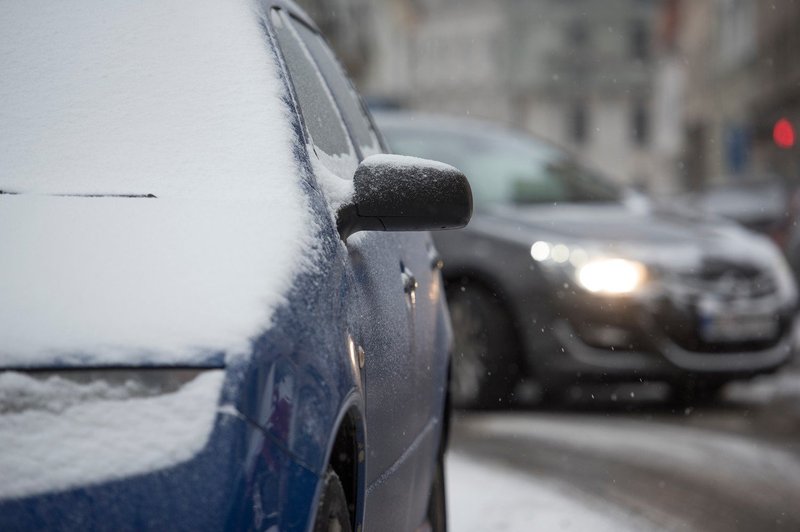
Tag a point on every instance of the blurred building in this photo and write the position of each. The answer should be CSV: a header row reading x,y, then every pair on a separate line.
x,y
348,24
665,94
669,83
579,73
374,39
742,76
717,42
778,85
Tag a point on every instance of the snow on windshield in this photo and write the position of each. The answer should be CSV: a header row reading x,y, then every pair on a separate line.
x,y
178,99
167,98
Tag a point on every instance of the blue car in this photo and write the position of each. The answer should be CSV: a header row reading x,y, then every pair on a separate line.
x,y
219,309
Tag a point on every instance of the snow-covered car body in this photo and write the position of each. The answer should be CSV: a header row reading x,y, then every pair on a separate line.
x,y
713,302
186,340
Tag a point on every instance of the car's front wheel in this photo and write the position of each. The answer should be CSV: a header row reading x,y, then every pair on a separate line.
x,y
437,503
332,512
485,369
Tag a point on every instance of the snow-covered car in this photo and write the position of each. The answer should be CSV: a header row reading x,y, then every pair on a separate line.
x,y
209,318
565,278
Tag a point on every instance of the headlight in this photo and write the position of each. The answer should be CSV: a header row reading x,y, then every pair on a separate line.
x,y
611,276
56,391
61,430
591,269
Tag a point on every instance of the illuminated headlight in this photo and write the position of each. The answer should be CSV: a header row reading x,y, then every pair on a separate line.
x,y
611,276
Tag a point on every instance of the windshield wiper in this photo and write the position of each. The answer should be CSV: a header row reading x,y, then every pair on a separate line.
x,y
8,192
107,195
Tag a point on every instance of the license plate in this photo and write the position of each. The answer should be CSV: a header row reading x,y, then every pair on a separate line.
x,y
733,327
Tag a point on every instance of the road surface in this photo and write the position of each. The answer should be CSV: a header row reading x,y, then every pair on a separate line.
x,y
604,463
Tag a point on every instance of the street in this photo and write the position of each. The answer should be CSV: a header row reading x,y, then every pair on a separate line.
x,y
613,464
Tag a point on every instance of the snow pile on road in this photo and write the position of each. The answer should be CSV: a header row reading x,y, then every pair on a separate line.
x,y
768,388
78,434
721,457
179,99
483,496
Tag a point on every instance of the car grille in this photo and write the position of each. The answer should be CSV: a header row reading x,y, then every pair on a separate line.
x,y
725,281
679,316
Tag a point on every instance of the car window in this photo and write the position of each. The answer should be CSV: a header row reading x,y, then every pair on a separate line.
x,y
320,113
348,100
504,169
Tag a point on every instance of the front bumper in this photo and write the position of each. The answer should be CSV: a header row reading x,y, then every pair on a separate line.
x,y
666,361
591,339
240,480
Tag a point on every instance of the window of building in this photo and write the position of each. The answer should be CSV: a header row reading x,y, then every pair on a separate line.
x,y
579,122
577,34
639,40
640,124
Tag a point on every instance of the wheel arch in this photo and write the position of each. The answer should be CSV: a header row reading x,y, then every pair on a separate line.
x,y
346,455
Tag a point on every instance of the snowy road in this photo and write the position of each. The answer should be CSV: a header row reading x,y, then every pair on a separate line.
x,y
731,466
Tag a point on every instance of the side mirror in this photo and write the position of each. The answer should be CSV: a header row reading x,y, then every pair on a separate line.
x,y
399,193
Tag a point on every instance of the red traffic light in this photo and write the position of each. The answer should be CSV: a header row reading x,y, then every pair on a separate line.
x,y
783,133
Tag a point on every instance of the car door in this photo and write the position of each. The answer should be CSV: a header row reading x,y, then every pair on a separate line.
x,y
389,321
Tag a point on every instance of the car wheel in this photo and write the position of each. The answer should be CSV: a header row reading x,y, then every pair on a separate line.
x,y
484,365
437,504
332,512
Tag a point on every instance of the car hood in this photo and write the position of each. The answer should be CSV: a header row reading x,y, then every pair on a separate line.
x,y
98,281
672,239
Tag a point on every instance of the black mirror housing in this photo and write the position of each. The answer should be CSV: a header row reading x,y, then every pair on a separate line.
x,y
399,193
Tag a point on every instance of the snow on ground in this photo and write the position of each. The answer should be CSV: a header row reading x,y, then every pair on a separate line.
x,y
768,388
57,433
722,457
483,496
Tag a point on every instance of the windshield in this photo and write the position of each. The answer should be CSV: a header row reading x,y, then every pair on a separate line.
x,y
506,169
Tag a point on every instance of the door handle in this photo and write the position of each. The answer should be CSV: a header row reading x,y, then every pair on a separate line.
x,y
410,283
435,259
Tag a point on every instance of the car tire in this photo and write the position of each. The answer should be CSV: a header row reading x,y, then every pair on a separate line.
x,y
332,512
485,369
437,503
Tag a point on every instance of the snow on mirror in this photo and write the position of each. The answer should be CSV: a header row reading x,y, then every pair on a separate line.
x,y
401,193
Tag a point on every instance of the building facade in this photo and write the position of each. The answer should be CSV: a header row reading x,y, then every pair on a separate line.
x,y
579,73
742,76
778,86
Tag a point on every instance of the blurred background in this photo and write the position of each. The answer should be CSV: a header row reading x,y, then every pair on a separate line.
x,y
692,104
667,96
